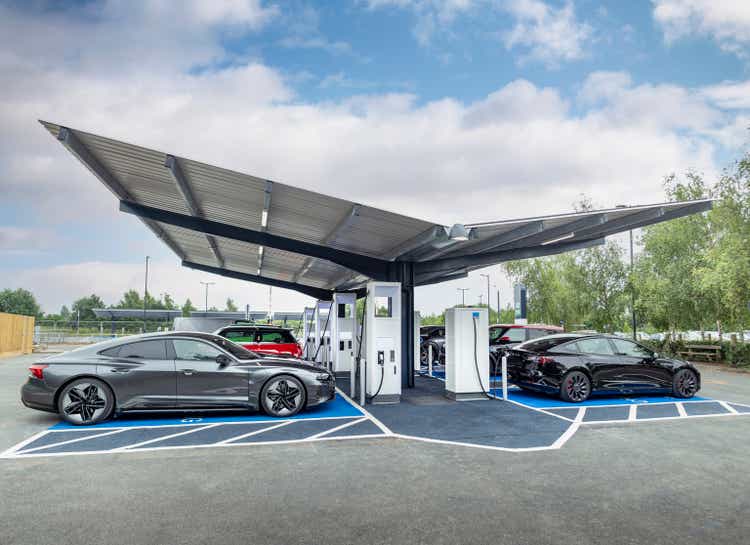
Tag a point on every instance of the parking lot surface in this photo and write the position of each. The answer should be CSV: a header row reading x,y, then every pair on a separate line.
x,y
659,481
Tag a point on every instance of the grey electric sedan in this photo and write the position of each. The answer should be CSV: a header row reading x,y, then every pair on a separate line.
x,y
172,371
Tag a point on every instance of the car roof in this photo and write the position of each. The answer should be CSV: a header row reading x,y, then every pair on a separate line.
x,y
258,326
529,326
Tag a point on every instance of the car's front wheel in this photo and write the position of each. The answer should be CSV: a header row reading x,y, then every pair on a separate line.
x,y
283,396
85,401
684,383
575,387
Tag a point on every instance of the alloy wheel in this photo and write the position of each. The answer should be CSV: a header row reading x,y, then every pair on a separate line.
x,y
284,397
687,384
85,402
577,387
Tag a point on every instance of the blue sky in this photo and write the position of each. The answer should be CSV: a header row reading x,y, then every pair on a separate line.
x,y
486,105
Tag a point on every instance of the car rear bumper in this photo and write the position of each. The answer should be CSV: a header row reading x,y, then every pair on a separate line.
x,y
36,395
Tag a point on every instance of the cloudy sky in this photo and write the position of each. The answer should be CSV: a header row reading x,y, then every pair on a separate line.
x,y
452,110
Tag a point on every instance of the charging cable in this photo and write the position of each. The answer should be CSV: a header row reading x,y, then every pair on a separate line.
x,y
474,321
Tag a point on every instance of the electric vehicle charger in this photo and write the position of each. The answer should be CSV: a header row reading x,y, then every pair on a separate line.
x,y
474,320
323,337
359,357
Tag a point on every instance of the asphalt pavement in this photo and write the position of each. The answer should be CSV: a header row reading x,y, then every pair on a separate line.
x,y
661,482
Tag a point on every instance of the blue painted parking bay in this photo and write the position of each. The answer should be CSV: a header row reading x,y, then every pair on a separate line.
x,y
136,432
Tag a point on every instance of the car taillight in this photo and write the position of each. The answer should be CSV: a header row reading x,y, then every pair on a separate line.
x,y
37,370
541,360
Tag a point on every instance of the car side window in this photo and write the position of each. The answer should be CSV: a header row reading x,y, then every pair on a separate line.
x,y
147,350
567,348
536,333
111,352
194,350
629,348
595,345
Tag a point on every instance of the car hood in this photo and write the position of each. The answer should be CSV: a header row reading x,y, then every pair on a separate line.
x,y
292,362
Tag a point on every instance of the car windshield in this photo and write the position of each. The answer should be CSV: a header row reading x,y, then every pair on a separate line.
x,y
546,343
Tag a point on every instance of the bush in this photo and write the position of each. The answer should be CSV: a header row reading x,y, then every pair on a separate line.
x,y
736,355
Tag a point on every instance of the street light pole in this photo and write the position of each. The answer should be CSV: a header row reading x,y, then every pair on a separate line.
x,y
463,295
487,276
632,288
145,294
206,284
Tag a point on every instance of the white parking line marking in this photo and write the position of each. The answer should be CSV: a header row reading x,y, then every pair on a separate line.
x,y
337,428
632,413
375,421
68,442
681,409
256,432
19,446
728,407
163,437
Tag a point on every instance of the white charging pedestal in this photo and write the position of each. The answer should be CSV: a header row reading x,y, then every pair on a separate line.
x,y
344,320
417,341
461,380
322,332
308,336
382,345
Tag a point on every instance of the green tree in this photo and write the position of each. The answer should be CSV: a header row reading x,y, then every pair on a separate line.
x,y
670,292
169,303
130,299
19,301
231,307
85,306
65,313
187,308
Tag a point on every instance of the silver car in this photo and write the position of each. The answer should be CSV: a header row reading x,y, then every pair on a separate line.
x,y
172,371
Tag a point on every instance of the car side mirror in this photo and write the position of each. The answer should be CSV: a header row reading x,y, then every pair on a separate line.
x,y
223,360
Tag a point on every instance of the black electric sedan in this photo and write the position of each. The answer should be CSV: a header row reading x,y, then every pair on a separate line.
x,y
172,371
577,366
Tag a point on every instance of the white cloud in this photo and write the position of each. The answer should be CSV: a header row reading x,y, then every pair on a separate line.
x,y
549,35
520,151
726,21
730,94
431,14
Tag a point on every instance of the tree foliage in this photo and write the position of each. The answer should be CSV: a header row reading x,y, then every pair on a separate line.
x,y
19,301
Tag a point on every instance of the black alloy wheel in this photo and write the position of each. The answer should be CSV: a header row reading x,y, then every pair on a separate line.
x,y
575,387
684,383
283,396
85,401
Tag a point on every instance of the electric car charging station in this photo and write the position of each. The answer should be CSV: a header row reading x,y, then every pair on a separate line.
x,y
344,332
336,251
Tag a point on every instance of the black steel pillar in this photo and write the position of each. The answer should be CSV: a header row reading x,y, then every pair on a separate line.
x,y
403,271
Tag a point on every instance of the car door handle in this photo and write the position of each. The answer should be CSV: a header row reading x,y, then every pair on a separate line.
x,y
188,371
119,370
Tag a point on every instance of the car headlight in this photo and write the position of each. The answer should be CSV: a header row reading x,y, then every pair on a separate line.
x,y
324,377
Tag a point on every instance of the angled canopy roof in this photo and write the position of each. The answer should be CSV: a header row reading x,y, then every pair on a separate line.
x,y
246,227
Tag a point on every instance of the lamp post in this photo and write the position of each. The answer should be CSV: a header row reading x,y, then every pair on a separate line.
x,y
145,294
463,295
487,276
632,284
206,284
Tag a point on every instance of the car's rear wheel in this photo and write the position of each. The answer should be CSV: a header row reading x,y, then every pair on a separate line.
x,y
86,401
283,396
575,387
684,383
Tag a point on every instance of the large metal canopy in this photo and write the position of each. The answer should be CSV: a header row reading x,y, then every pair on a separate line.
x,y
246,227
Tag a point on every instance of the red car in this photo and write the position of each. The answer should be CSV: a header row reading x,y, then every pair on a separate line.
x,y
264,339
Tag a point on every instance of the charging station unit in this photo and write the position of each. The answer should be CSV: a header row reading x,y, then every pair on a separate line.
x,y
343,331
382,342
417,340
322,332
308,336
467,358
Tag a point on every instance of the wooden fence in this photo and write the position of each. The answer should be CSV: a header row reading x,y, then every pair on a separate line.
x,y
16,334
